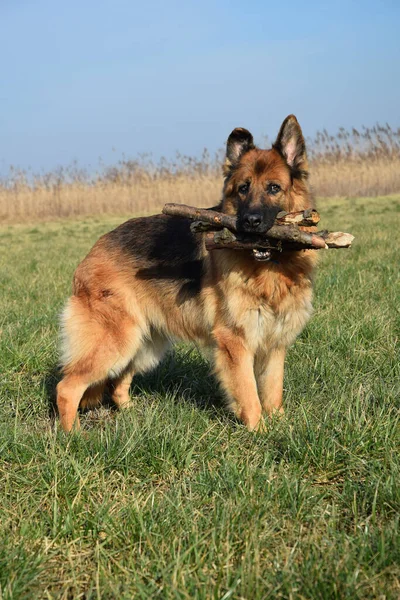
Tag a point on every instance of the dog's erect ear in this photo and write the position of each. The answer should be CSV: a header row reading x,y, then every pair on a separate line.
x,y
290,143
239,142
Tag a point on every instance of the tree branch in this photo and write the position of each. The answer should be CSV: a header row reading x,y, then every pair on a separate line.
x,y
221,230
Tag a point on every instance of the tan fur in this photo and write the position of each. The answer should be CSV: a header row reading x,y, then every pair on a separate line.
x,y
247,313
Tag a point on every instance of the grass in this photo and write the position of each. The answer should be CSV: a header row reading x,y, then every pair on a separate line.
x,y
174,499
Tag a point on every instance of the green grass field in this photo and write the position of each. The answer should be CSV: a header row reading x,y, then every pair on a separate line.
x,y
174,499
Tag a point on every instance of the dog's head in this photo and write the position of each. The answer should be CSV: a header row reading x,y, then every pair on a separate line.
x,y
261,183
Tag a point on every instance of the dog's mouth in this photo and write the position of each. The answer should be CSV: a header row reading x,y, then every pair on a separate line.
x,y
262,255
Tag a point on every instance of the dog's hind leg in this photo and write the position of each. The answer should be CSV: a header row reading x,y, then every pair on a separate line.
x,y
234,367
120,388
93,396
149,354
98,345
69,393
86,385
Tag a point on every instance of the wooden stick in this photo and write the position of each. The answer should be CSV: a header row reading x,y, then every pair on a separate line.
x,y
226,239
291,233
304,218
218,240
284,234
201,214
338,239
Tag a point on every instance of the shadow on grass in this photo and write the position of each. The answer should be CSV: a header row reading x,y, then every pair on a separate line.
x,y
50,381
184,375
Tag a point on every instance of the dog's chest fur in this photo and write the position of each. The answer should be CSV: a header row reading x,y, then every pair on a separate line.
x,y
270,307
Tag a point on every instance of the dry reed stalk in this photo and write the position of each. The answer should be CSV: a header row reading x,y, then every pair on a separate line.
x,y
365,163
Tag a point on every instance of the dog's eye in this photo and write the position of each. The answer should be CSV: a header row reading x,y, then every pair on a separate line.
x,y
273,188
244,188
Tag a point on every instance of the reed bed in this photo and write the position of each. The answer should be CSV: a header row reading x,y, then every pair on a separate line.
x,y
347,164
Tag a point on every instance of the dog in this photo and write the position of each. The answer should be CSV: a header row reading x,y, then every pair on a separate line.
x,y
150,281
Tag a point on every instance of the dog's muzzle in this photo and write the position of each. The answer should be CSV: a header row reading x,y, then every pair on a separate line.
x,y
258,221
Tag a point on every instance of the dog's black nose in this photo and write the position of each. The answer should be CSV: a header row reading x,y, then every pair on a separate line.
x,y
252,220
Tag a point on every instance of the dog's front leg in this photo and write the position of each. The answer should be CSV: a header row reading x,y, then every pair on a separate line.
x,y
269,370
234,366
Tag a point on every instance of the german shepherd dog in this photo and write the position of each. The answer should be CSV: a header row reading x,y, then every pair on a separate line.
x,y
150,281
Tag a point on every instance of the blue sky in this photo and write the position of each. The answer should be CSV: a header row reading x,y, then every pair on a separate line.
x,y
87,79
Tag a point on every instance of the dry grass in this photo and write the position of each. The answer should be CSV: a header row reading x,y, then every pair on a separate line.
x,y
106,197
346,164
